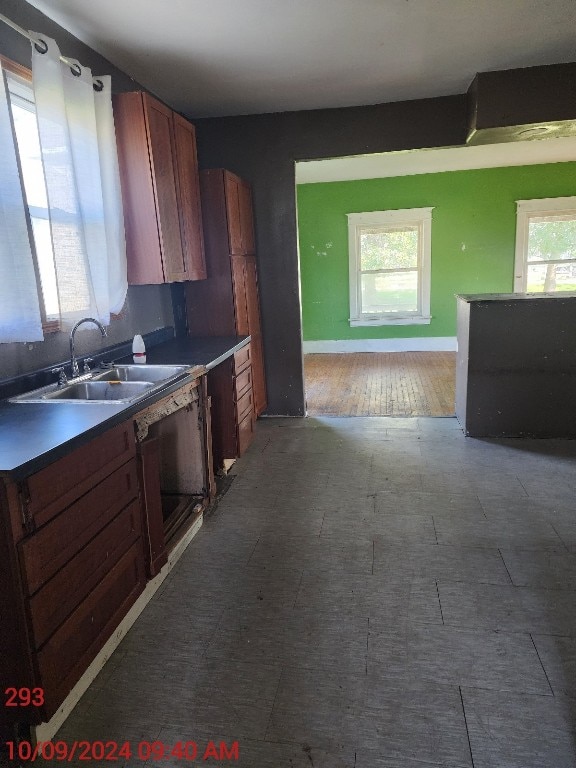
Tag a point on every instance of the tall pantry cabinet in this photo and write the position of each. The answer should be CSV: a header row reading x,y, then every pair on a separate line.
x,y
227,302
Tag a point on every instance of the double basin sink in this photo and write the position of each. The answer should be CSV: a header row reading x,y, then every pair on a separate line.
x,y
118,384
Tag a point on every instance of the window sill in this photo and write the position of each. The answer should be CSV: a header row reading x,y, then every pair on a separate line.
x,y
420,320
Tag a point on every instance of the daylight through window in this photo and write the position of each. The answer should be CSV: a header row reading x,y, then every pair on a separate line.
x,y
390,267
545,245
26,129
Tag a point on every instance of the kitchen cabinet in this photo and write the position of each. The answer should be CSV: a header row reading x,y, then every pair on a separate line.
x,y
230,385
160,191
239,217
71,566
227,302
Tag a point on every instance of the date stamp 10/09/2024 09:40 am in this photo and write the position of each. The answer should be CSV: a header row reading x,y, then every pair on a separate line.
x,y
103,750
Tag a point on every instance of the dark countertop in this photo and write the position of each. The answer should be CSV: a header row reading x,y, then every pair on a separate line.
x,y
208,351
33,435
514,296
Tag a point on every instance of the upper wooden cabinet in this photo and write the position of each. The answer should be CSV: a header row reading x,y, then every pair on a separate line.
x,y
227,303
160,191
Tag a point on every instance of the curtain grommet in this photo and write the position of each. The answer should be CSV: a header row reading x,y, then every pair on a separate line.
x,y
40,43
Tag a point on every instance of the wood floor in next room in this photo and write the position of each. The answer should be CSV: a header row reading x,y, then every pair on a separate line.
x,y
380,384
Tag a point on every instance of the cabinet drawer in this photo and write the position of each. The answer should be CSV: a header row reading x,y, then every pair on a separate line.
x,y
244,406
241,359
245,433
64,481
242,383
65,591
71,649
46,551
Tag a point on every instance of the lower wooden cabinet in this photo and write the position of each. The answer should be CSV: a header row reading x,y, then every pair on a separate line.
x,y
233,414
59,597
66,655
80,538
71,566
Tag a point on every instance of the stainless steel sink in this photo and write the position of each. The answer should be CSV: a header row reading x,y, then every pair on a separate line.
x,y
116,391
153,373
120,384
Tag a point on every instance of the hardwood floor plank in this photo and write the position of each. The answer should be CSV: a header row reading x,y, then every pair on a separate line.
x,y
380,384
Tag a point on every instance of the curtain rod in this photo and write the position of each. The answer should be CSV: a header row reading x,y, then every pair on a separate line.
x,y
36,42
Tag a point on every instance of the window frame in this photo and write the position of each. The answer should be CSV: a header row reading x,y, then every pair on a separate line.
x,y
420,218
48,326
525,210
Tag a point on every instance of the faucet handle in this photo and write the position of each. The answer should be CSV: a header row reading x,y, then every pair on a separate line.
x,y
62,379
87,362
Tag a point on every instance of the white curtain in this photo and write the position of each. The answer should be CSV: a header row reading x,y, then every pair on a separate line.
x,y
78,147
19,308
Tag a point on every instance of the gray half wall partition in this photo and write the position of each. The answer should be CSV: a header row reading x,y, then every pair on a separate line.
x,y
516,365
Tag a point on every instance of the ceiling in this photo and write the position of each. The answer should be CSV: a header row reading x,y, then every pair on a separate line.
x,y
229,57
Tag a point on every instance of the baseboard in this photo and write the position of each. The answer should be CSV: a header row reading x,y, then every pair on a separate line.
x,y
423,344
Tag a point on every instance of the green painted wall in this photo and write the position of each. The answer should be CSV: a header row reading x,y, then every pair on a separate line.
x,y
473,234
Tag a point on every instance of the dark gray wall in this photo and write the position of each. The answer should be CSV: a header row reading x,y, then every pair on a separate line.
x,y
147,307
263,149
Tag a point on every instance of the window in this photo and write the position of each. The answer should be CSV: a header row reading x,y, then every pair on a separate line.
x,y
26,130
389,254
61,150
545,245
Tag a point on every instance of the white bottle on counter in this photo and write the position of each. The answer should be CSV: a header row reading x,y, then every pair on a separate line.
x,y
138,349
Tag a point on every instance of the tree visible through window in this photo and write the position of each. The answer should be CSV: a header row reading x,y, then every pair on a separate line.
x,y
546,245
389,266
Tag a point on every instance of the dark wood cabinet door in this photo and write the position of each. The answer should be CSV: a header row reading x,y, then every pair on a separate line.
x,y
58,485
233,214
62,594
159,122
65,656
160,191
240,297
143,245
246,217
239,214
253,308
189,198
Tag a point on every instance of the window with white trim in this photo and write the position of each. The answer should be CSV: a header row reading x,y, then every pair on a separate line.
x,y
390,257
545,245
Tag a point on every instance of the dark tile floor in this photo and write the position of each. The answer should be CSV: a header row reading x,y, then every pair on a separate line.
x,y
370,593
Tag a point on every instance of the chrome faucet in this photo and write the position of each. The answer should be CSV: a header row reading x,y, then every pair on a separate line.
x,y
73,361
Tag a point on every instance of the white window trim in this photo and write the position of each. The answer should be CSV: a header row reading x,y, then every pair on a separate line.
x,y
420,217
525,209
